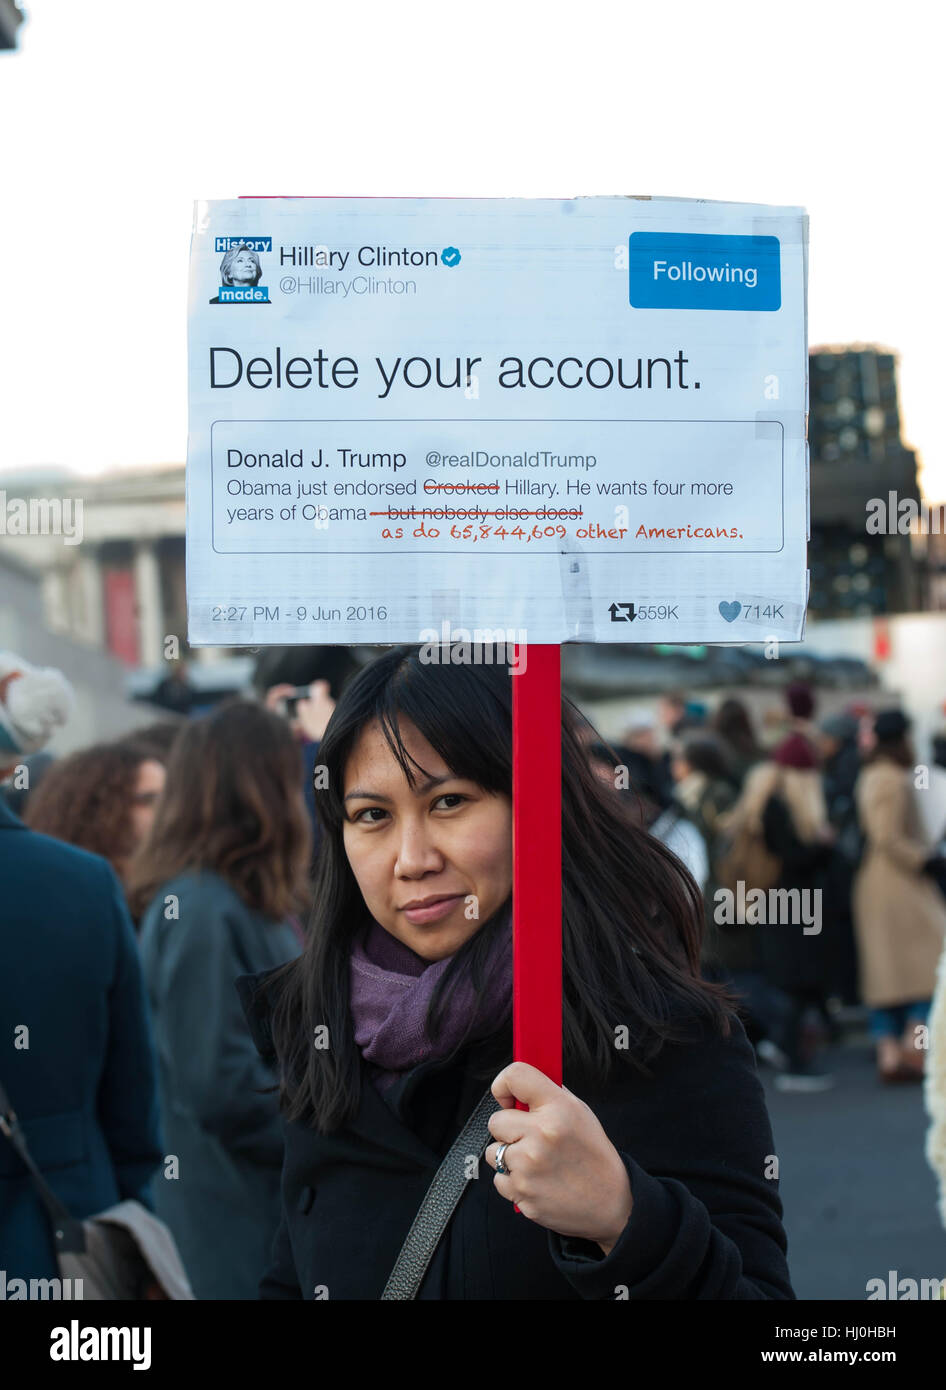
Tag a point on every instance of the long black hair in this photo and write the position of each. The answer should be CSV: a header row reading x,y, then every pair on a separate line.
x,y
632,915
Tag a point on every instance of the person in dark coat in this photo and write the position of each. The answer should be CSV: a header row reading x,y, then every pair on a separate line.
x,y
733,724
76,1049
841,768
222,873
649,1177
175,692
796,953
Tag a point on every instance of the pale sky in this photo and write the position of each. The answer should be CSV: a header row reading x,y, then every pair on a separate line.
x,y
115,116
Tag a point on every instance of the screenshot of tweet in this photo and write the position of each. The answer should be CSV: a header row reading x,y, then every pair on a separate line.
x,y
584,419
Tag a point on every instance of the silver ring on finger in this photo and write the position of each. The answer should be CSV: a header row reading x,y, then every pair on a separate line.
x,y
500,1165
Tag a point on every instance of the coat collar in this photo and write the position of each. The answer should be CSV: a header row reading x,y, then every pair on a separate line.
x,y
378,1123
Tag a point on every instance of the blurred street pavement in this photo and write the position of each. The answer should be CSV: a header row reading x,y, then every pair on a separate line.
x,y
858,1193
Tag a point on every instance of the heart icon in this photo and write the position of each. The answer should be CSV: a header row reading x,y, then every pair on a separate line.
x,y
730,611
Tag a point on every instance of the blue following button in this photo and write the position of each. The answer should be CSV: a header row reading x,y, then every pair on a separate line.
x,y
689,270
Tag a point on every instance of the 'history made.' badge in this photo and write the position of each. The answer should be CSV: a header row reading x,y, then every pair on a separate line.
x,y
241,270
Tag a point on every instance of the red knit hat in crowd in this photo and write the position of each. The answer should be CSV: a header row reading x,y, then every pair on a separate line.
x,y
795,751
801,700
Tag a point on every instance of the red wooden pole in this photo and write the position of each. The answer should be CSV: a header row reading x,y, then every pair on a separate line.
x,y
537,858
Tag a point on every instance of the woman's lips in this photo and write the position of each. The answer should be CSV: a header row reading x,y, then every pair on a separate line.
x,y
418,915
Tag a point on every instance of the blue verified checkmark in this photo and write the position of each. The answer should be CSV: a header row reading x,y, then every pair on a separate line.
x,y
450,255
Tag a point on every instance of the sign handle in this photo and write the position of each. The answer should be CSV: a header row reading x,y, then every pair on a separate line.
x,y
537,857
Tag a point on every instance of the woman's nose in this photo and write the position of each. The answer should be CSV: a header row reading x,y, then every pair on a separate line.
x,y
417,853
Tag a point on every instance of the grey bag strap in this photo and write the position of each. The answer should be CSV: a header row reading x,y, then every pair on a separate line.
x,y
440,1202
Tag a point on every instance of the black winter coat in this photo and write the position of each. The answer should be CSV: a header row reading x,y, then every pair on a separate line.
x,y
695,1138
85,1088
791,959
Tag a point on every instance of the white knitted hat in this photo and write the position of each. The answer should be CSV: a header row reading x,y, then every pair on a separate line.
x,y
36,703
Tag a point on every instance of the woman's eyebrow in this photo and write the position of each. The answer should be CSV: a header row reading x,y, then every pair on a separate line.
x,y
420,790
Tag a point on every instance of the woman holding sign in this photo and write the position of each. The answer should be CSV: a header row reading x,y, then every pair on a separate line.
x,y
651,1176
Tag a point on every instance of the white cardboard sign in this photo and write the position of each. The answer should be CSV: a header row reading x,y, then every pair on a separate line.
x,y
542,420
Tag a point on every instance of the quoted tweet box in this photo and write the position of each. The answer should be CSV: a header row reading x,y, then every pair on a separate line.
x,y
582,419
357,487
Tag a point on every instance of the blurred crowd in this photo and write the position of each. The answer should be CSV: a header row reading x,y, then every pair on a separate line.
x,y
208,826
820,850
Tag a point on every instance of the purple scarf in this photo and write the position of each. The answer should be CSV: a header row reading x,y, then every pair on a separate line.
x,y
391,990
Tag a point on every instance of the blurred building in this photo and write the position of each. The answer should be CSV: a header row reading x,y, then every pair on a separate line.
x,y
102,707
11,17
122,588
932,548
100,595
857,454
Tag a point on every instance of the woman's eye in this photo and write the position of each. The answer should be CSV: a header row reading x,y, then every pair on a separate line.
x,y
456,797
367,812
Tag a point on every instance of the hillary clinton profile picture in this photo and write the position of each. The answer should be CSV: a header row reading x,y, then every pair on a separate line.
x,y
240,269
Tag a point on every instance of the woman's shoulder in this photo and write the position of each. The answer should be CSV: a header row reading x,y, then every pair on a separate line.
x,y
702,1097
883,770
198,911
690,1032
701,1058
196,888
882,778
762,770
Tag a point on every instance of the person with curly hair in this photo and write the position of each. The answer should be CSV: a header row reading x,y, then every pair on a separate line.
x,y
101,799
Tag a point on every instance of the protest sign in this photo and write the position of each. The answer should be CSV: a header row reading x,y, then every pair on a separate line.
x,y
547,420
499,421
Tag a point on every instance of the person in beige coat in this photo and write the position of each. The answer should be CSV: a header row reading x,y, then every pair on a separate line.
x,y
899,911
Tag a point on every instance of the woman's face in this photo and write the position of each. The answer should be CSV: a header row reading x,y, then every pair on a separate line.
x,y
148,787
243,268
446,839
